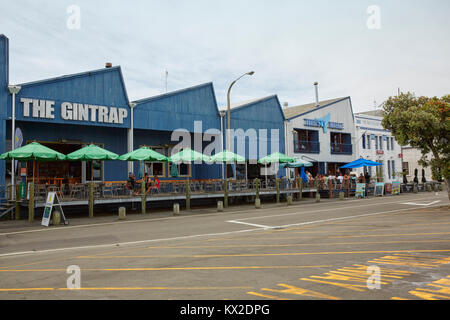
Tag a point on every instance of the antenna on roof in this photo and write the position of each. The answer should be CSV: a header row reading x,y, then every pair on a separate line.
x,y
167,75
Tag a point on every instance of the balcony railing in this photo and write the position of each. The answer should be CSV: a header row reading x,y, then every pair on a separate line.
x,y
341,148
306,146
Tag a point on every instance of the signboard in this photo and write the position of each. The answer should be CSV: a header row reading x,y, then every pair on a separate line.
x,y
49,204
379,189
360,190
395,187
400,155
45,109
324,123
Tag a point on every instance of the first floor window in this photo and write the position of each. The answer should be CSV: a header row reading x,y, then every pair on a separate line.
x,y
405,167
363,141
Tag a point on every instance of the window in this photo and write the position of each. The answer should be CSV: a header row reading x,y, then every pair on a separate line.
x,y
363,141
392,143
389,168
306,141
368,141
393,167
387,143
405,168
156,168
184,169
381,142
376,143
341,143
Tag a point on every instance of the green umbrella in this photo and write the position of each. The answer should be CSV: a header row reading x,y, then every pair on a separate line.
x,y
91,153
33,151
276,157
188,155
227,156
143,154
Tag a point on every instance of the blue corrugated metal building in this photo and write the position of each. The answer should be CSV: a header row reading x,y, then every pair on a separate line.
x,y
68,112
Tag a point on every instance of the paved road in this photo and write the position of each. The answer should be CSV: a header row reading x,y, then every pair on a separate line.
x,y
305,251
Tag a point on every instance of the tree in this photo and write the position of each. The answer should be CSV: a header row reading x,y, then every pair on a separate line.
x,y
423,123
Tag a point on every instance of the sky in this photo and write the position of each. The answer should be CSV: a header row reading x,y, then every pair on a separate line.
x,y
350,47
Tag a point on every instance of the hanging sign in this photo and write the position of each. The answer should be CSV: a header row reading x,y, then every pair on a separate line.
x,y
379,189
360,190
52,201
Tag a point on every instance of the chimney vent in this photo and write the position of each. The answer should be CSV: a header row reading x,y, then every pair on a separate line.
x,y
108,65
316,87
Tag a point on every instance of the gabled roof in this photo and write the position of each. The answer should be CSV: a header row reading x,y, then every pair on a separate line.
x,y
295,111
245,103
172,93
377,113
239,105
79,75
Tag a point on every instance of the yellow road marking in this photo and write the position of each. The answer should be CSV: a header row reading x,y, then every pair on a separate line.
x,y
125,288
169,268
389,235
266,296
330,237
294,244
300,291
256,254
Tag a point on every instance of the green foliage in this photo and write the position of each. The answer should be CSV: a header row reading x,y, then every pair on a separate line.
x,y
423,123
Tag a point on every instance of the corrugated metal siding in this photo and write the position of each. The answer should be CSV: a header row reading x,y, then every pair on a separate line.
x,y
102,87
114,139
178,110
4,74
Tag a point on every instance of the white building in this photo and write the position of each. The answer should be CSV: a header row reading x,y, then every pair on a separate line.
x,y
411,157
322,133
377,144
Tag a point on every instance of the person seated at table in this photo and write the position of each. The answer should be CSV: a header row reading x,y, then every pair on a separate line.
x,y
131,182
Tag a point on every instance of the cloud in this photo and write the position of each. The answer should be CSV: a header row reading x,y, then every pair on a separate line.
x,y
289,45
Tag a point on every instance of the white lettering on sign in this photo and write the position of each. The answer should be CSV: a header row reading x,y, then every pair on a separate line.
x,y
73,111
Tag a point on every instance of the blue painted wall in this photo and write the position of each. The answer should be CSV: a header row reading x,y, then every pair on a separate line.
x,y
265,113
114,139
178,109
103,87
4,79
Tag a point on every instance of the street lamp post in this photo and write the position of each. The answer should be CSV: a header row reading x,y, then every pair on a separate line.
x,y
13,90
229,135
131,135
229,109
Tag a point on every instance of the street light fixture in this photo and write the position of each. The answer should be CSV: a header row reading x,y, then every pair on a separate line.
x,y
13,90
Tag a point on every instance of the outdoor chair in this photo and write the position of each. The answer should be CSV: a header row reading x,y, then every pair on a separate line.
x,y
108,190
40,192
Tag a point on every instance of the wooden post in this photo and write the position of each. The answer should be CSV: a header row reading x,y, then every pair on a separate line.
x,y
91,199
289,200
10,192
188,195
17,202
143,197
225,192
31,204
257,188
300,189
277,186
347,187
219,206
122,213
330,188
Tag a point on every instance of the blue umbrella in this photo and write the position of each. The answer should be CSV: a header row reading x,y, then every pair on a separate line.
x,y
361,163
303,174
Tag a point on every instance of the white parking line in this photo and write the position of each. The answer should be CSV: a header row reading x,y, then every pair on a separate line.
x,y
421,204
250,224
